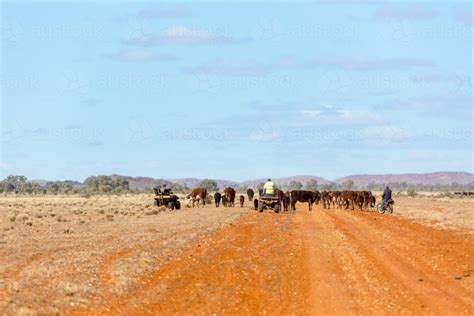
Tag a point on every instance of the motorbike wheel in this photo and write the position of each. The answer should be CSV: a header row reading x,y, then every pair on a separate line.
x,y
379,208
390,208
178,205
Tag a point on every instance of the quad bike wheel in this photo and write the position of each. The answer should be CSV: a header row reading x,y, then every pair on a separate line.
x,y
276,209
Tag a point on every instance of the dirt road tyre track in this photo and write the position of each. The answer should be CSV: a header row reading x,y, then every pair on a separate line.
x,y
323,262
227,272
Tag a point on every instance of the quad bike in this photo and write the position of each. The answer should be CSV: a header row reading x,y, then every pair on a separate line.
x,y
167,199
268,201
388,207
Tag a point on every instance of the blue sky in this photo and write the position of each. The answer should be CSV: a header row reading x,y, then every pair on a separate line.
x,y
235,90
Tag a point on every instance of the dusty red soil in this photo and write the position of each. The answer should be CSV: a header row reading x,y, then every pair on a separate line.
x,y
319,262
323,262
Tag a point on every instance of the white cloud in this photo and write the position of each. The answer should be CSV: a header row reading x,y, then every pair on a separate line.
x,y
179,35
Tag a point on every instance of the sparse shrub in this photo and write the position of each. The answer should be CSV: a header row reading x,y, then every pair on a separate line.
x,y
22,217
155,211
62,219
411,192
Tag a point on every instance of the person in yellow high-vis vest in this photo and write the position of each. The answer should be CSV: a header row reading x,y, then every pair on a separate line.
x,y
269,188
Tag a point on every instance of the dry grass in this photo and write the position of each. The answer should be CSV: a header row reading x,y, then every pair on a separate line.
x,y
56,251
444,213
60,251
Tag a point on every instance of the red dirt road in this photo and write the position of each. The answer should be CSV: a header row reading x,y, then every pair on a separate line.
x,y
319,262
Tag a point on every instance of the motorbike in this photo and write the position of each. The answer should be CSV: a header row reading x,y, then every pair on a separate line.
x,y
388,207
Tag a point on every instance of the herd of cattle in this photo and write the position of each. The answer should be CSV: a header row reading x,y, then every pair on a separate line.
x,y
336,199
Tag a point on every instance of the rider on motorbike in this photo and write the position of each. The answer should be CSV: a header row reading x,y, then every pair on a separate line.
x,y
386,196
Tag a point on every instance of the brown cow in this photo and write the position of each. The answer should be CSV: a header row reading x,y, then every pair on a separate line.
x,y
372,201
347,198
326,197
359,199
197,195
335,198
241,200
286,200
230,195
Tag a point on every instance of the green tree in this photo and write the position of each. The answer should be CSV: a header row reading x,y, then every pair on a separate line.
x,y
53,188
295,185
8,187
105,184
348,184
209,185
311,185
16,181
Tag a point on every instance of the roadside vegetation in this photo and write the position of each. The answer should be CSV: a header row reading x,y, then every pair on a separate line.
x,y
113,185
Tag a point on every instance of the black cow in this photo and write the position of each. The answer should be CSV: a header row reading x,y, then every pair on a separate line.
x,y
224,200
217,199
303,196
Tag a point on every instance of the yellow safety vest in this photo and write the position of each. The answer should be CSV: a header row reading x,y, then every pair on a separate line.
x,y
269,188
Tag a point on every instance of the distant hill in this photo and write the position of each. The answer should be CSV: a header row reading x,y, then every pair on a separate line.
x,y
285,181
361,180
193,182
441,178
40,182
